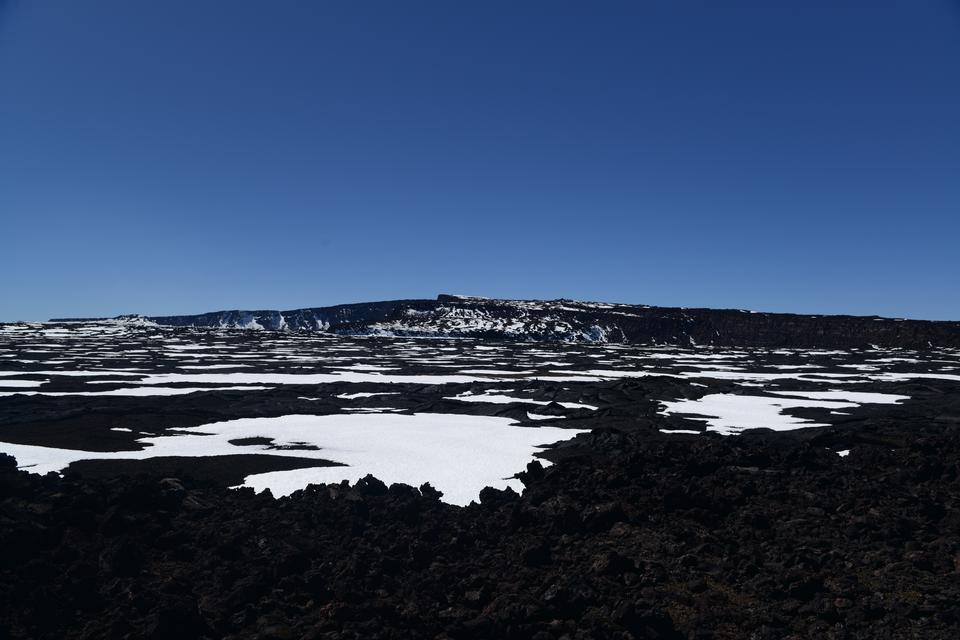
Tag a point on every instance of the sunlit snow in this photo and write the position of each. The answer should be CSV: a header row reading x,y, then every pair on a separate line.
x,y
457,454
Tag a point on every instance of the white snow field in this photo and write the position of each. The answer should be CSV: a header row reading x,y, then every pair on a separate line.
x,y
457,454
730,414
462,413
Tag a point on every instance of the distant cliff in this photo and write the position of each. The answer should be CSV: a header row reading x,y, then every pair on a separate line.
x,y
576,321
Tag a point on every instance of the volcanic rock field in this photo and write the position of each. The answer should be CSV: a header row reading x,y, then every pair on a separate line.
x,y
210,482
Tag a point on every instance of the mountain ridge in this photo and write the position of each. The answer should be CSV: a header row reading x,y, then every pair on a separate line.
x,y
565,320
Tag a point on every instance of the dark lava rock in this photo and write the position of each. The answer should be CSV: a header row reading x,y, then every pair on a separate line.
x,y
762,536
228,470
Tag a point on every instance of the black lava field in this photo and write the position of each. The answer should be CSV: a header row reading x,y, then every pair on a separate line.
x,y
189,482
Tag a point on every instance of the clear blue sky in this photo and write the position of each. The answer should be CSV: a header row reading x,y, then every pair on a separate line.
x,y
185,156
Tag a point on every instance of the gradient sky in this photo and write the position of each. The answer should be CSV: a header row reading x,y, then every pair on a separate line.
x,y
187,156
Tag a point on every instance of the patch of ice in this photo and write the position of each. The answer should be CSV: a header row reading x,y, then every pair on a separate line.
x,y
538,416
737,375
212,366
730,414
791,367
501,399
301,378
620,373
904,377
553,378
135,391
192,347
846,396
494,372
77,374
367,394
368,367
21,383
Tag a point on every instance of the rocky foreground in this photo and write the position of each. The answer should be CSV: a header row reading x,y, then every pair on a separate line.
x,y
630,536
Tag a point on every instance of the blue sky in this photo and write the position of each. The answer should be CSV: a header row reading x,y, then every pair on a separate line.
x,y
186,156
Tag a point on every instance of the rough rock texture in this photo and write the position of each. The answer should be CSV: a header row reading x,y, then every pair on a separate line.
x,y
569,320
759,536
